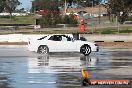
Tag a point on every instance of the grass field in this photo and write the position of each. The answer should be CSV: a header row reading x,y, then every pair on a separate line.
x,y
68,30
101,29
18,20
114,30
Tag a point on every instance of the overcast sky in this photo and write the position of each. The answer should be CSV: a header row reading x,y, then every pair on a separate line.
x,y
25,4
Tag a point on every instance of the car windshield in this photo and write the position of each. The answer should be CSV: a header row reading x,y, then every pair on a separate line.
x,y
60,38
42,38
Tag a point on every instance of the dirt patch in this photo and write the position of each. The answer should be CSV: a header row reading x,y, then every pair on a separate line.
x,y
115,44
13,43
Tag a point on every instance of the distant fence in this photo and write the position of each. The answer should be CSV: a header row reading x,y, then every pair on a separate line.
x,y
15,26
109,38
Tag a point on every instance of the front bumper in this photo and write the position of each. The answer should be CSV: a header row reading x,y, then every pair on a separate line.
x,y
95,48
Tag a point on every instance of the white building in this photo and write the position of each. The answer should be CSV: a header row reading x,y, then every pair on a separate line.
x,y
14,14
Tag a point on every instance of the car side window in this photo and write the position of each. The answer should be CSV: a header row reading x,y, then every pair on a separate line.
x,y
66,38
51,38
55,38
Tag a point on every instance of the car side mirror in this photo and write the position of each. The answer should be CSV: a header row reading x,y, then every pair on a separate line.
x,y
73,39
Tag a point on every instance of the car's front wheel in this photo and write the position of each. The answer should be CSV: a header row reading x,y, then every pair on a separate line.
x,y
43,49
85,49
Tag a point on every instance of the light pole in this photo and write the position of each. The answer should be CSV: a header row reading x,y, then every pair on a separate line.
x,y
92,15
33,6
65,6
117,23
99,13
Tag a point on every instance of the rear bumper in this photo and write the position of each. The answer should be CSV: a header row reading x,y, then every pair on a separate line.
x,y
32,48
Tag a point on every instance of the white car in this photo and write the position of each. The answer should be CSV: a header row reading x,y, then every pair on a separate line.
x,y
61,43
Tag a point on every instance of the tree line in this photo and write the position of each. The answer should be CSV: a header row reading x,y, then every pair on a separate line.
x,y
120,8
9,6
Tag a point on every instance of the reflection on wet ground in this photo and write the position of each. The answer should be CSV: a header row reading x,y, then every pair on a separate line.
x,y
61,70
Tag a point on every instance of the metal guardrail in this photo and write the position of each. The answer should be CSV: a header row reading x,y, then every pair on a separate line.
x,y
15,24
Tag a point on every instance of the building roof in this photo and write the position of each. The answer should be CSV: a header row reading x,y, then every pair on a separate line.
x,y
92,10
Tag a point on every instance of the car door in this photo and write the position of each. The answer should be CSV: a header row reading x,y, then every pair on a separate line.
x,y
54,43
67,44
61,43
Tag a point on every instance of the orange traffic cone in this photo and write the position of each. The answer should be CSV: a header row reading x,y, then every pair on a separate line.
x,y
86,81
84,73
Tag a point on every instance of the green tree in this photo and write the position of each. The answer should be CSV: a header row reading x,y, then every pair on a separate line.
x,y
1,8
69,19
45,4
51,15
120,8
10,5
2,5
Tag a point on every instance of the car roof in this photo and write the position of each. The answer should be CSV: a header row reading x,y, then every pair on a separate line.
x,y
70,35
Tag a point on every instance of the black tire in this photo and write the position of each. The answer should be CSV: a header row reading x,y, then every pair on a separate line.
x,y
43,49
85,49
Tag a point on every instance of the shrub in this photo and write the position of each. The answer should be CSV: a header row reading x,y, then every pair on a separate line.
x,y
5,17
50,20
69,19
109,31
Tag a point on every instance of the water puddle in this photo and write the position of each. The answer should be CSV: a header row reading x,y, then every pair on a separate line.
x,y
62,70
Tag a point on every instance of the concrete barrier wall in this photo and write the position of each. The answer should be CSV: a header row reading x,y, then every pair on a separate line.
x,y
93,38
18,37
109,38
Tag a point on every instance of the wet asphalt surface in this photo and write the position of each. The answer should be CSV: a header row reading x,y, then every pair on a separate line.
x,y
20,68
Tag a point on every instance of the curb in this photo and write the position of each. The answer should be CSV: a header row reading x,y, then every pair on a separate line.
x,y
13,43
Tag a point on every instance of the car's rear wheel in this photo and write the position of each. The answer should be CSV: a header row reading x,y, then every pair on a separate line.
x,y
85,49
43,49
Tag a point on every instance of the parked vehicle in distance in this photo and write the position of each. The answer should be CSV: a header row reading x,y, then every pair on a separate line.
x,y
61,43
